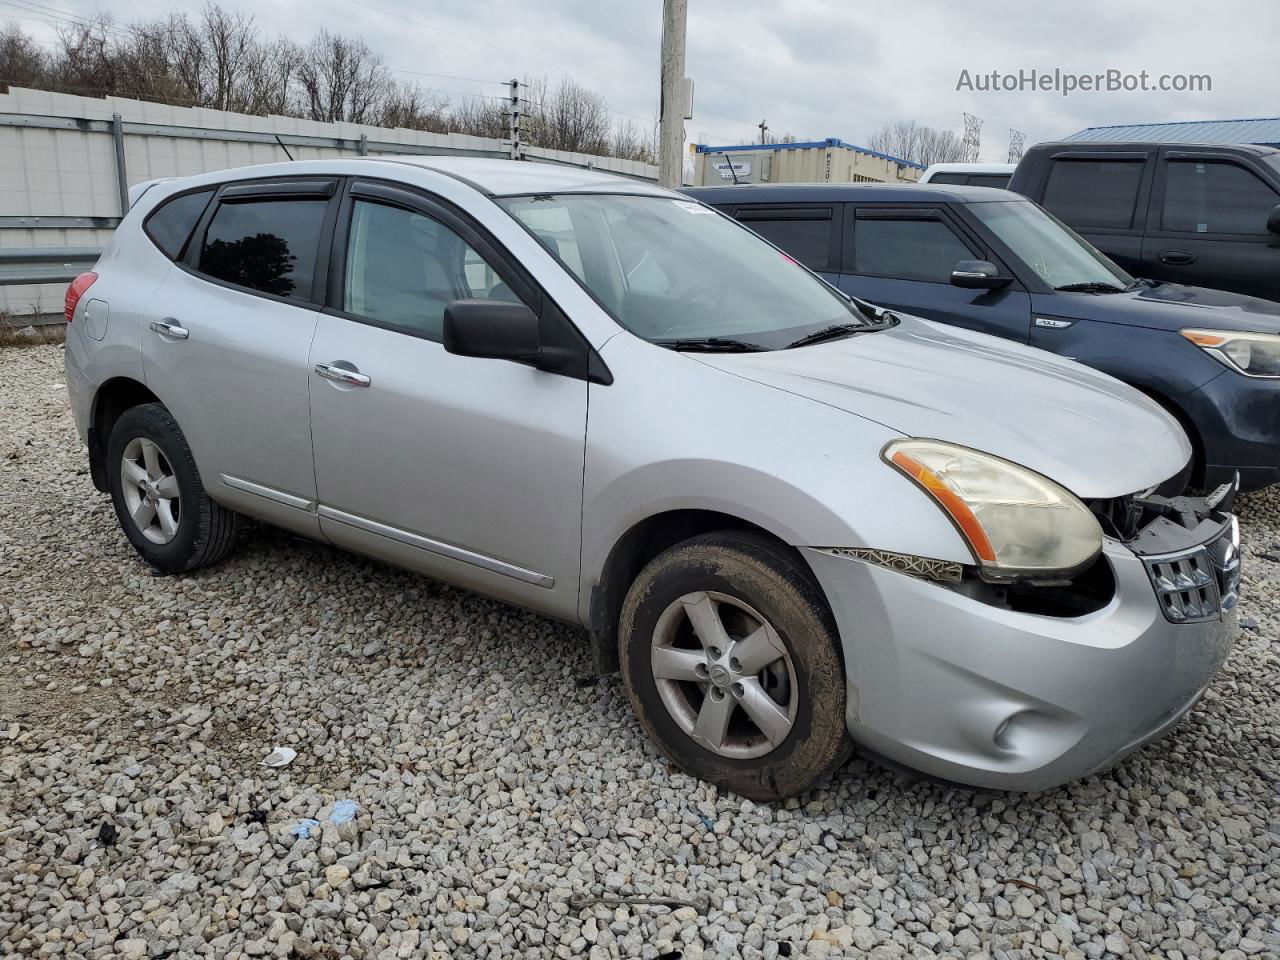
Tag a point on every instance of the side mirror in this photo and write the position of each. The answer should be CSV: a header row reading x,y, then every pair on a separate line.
x,y
978,275
1273,221
498,329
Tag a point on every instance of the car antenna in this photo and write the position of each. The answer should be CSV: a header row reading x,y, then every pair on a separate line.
x,y
729,160
283,147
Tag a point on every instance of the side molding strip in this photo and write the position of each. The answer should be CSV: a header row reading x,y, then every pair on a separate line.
x,y
437,547
269,493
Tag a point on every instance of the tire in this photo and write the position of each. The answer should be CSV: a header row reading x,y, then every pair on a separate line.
x,y
183,532
758,590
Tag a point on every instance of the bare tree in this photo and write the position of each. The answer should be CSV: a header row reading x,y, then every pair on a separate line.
x,y
409,107
219,60
342,80
22,62
569,117
917,143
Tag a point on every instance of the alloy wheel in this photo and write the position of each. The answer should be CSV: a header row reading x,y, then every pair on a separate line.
x,y
724,675
150,488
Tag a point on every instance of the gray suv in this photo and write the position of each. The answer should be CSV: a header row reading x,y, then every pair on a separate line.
x,y
796,522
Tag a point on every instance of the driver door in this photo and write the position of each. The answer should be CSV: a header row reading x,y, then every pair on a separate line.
x,y
902,258
467,469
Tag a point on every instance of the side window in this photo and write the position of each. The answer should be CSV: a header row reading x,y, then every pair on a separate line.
x,y
404,268
805,236
170,224
1094,193
907,249
1215,198
998,180
267,245
952,179
551,223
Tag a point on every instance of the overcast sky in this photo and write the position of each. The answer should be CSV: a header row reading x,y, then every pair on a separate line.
x,y
815,68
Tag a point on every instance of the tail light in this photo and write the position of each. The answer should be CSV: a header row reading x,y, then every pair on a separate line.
x,y
74,292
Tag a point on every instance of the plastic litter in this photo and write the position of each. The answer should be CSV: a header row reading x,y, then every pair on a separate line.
x,y
303,828
344,811
280,757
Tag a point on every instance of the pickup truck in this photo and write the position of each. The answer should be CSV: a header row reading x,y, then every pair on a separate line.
x,y
1200,214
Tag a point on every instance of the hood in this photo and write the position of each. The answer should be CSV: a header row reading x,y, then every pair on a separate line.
x,y
1167,306
1088,432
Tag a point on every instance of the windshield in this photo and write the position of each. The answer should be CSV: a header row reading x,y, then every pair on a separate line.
x,y
1060,256
675,270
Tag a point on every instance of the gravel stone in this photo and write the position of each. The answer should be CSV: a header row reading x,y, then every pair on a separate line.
x,y
491,788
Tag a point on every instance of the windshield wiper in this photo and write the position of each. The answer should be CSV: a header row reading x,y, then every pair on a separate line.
x,y
1091,286
833,332
709,345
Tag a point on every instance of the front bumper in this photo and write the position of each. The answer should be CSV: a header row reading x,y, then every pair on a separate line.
x,y
973,693
1238,420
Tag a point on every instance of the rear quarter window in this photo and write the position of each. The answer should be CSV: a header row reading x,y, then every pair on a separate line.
x,y
169,226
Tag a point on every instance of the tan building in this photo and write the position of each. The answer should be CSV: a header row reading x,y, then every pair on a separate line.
x,y
815,161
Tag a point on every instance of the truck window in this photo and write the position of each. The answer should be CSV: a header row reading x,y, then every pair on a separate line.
x,y
1215,197
1094,193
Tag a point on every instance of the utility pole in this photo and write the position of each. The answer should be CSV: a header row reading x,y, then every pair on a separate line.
x,y
764,131
513,111
671,125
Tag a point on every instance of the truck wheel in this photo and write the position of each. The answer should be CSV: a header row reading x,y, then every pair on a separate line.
x,y
732,662
159,499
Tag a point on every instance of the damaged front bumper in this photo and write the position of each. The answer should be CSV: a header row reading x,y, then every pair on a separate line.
x,y
995,688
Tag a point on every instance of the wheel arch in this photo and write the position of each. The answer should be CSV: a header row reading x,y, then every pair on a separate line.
x,y
112,399
639,544
1175,410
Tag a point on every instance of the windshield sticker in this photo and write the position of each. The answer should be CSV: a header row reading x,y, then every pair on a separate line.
x,y
688,206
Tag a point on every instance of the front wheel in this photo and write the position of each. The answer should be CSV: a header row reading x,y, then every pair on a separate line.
x,y
732,664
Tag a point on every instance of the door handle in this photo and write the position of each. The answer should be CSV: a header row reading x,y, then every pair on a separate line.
x,y
169,327
342,374
1177,257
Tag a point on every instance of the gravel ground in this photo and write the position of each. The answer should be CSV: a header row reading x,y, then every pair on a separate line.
x,y
492,787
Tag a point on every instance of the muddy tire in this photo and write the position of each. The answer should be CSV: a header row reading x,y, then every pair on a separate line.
x,y
159,499
732,662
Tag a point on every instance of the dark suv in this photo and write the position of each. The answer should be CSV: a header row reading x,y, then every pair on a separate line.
x,y
992,261
1207,214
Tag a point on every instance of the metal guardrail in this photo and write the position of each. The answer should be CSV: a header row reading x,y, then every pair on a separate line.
x,y
45,264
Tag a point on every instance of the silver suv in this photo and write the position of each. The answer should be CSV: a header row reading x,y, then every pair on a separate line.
x,y
794,521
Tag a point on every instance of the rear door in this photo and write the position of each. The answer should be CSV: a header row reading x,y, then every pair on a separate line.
x,y
808,232
1208,224
1103,196
227,340
902,258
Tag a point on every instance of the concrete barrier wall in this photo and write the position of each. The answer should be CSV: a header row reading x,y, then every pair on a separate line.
x,y
65,162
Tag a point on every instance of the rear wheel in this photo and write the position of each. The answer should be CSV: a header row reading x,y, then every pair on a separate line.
x,y
732,664
159,499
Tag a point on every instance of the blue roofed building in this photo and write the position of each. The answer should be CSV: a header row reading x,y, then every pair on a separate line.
x,y
810,161
1264,131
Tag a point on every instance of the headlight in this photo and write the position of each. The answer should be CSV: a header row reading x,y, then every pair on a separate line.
x,y
1253,354
1016,522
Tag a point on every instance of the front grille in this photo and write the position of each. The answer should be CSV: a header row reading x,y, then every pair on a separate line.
x,y
1201,583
